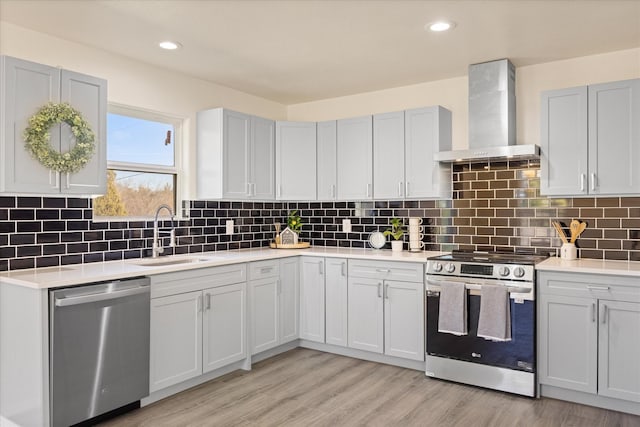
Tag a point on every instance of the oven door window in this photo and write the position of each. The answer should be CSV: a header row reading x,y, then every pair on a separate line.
x,y
519,353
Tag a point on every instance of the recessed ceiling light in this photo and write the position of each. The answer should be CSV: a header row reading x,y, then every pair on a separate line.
x,y
439,26
169,45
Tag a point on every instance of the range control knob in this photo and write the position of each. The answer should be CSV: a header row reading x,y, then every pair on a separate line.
x,y
503,271
437,267
518,271
450,268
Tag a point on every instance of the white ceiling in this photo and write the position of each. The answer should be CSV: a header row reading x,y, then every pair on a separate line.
x,y
297,51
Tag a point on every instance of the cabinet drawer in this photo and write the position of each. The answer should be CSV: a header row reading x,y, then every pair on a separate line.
x,y
403,271
264,269
196,280
590,286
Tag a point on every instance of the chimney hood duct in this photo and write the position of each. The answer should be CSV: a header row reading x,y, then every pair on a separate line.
x,y
492,116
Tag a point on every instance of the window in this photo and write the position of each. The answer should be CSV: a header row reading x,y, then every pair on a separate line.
x,y
143,153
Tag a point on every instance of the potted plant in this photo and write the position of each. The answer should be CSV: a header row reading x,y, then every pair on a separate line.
x,y
294,226
396,232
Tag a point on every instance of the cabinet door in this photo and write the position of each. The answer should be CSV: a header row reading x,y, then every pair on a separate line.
x,y
619,350
27,87
88,95
224,327
563,138
176,339
614,138
427,131
336,309
568,340
236,135
326,159
263,151
388,155
295,161
366,324
312,320
265,322
404,319
289,299
355,158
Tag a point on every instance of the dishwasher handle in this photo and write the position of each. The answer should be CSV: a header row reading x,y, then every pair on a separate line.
x,y
102,296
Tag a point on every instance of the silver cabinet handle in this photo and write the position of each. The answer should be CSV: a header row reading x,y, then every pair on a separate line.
x,y
604,313
266,269
383,270
593,312
406,193
68,180
199,303
597,288
582,178
278,287
279,190
380,290
102,296
368,190
248,188
333,191
593,182
254,189
207,298
321,265
400,188
386,291
343,269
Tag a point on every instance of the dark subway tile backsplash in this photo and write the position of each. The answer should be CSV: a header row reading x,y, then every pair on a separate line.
x,y
495,206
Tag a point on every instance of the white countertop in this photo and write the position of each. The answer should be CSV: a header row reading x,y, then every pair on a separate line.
x,y
53,277
591,266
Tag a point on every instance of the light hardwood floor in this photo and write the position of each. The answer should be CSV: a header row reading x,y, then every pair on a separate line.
x,y
310,388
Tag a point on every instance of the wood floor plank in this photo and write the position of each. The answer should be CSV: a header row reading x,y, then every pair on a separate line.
x,y
309,388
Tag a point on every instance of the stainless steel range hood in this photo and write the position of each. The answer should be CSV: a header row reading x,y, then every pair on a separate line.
x,y
492,116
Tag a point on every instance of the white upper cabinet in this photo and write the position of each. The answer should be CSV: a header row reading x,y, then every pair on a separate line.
x,y
388,155
235,155
614,138
326,159
355,159
589,140
28,86
295,161
404,144
426,132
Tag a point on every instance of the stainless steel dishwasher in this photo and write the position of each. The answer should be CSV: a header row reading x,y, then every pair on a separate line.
x,y
99,349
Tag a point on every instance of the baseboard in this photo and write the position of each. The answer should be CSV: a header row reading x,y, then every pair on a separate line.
x,y
258,357
590,399
364,355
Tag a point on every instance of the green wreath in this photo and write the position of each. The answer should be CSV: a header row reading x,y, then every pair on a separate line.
x,y
37,138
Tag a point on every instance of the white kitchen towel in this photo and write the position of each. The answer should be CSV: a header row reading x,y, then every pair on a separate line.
x,y
452,314
494,322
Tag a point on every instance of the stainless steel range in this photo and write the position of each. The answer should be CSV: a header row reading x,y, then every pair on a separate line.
x,y
502,364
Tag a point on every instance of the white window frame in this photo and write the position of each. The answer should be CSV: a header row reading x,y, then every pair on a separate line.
x,y
179,126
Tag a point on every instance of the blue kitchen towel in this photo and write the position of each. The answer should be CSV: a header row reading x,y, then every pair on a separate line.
x,y
452,314
494,322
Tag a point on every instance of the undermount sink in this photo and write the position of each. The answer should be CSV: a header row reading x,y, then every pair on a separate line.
x,y
160,262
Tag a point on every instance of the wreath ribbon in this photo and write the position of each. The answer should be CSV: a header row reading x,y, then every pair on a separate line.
x,y
38,139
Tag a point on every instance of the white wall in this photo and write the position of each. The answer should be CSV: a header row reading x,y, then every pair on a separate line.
x,y
137,84
452,93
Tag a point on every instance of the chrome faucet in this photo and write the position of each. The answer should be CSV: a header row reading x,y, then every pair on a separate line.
x,y
157,247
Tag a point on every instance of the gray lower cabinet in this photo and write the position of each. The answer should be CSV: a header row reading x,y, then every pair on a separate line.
x,y
28,86
589,138
386,308
589,334
198,323
274,295
336,307
236,156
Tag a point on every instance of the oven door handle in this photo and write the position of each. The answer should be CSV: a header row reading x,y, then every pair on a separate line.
x,y
476,287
